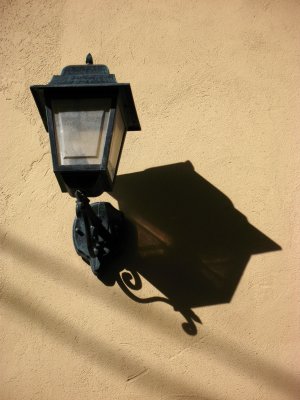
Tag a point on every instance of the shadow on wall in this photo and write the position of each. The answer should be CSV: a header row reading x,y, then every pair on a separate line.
x,y
185,237
235,354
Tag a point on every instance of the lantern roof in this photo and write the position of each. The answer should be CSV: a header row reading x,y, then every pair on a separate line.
x,y
89,76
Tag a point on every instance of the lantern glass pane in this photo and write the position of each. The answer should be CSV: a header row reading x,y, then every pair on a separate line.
x,y
80,129
116,144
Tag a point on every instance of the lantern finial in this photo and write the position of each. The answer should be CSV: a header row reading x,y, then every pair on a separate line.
x,y
89,59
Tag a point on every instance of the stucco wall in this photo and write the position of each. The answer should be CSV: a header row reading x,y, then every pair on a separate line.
x,y
216,83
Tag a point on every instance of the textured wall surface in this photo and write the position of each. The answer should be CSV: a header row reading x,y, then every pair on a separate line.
x,y
211,183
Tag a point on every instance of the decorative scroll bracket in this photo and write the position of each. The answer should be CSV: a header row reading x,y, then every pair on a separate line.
x,y
97,231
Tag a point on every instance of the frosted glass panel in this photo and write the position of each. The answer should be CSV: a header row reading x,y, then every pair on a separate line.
x,y
116,143
80,129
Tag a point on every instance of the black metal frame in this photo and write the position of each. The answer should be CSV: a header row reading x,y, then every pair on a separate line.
x,y
88,81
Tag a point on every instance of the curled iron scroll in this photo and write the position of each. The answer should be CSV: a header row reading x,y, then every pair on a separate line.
x,y
129,280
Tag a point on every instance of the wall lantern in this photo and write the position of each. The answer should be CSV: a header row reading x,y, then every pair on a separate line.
x,y
87,114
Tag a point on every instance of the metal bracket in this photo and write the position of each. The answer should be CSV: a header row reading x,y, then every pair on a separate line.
x,y
97,231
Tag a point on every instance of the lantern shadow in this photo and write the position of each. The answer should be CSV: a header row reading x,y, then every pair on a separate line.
x,y
184,237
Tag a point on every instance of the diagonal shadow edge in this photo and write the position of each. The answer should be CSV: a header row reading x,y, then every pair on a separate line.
x,y
101,352
94,349
62,273
228,351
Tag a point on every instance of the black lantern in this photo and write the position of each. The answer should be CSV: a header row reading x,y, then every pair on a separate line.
x,y
87,114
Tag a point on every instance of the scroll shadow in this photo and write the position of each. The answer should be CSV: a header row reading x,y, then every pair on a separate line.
x,y
185,237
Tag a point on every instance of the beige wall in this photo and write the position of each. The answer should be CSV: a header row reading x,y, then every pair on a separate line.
x,y
216,83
